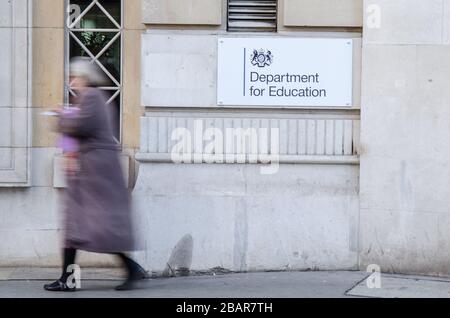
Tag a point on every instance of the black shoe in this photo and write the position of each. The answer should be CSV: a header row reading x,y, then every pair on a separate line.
x,y
129,284
138,273
58,286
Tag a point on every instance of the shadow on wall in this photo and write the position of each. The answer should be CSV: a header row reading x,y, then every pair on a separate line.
x,y
180,260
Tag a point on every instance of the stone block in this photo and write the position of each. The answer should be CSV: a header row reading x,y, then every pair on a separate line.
x,y
323,13
192,12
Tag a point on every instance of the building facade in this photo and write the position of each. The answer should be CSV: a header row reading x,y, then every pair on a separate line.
x,y
357,183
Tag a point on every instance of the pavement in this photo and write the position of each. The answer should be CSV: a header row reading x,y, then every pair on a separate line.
x,y
100,283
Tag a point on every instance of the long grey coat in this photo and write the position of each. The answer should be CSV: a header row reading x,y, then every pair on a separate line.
x,y
97,204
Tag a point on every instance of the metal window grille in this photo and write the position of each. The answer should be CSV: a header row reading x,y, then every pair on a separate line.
x,y
94,29
252,16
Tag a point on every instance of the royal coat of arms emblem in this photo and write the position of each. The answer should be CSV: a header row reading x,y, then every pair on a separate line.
x,y
262,58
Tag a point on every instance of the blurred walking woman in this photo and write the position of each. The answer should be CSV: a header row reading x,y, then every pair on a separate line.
x,y
97,204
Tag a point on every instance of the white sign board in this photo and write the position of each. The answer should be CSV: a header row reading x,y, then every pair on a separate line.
x,y
313,72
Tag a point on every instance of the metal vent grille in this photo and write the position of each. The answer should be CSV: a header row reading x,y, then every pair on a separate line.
x,y
252,16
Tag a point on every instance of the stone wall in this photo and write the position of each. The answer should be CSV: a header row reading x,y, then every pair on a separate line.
x,y
306,215
405,173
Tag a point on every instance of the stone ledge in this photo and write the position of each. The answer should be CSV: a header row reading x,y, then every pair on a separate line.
x,y
283,159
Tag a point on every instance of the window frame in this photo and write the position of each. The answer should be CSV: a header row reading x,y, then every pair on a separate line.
x,y
67,38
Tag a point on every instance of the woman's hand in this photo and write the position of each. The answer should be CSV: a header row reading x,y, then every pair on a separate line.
x,y
58,110
71,163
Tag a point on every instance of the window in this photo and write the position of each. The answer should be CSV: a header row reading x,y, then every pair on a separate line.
x,y
252,16
94,30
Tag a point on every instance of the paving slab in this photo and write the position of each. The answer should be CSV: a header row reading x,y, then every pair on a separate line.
x,y
396,286
51,273
238,285
6,272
